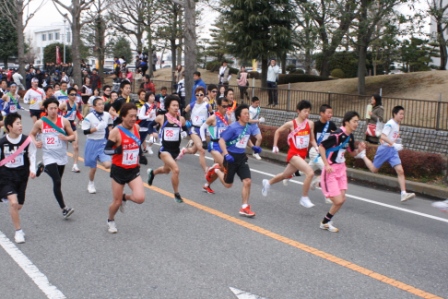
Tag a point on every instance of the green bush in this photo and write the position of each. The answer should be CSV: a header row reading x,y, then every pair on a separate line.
x,y
213,66
294,78
298,71
337,73
254,74
291,68
233,71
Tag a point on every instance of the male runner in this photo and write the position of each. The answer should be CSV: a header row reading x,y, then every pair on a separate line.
x,y
255,119
124,147
17,162
94,127
35,96
62,94
300,137
55,131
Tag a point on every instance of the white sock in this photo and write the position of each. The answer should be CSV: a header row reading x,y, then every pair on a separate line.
x,y
403,192
19,231
244,206
305,197
205,185
90,182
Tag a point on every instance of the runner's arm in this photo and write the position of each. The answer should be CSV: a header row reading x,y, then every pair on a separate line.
x,y
312,139
68,129
36,130
32,156
114,138
285,127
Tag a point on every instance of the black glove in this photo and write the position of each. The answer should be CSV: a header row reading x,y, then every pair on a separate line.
x,y
204,145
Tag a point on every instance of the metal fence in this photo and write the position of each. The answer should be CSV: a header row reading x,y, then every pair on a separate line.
x,y
419,113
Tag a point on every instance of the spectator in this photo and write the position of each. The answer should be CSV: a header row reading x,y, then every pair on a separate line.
x,y
197,82
95,79
243,83
181,91
223,75
376,115
148,85
273,71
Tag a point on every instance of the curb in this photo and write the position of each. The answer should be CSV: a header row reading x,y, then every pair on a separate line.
x,y
366,176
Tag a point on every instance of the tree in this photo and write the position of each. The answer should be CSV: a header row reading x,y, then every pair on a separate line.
x,y
218,45
8,41
75,9
50,52
416,54
122,48
438,10
258,29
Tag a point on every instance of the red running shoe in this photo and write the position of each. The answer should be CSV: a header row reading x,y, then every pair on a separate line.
x,y
211,174
247,212
208,190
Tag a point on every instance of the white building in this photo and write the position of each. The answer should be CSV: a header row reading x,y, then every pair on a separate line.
x,y
54,33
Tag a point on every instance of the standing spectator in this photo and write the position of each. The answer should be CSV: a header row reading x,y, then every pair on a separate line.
x,y
376,115
273,71
243,83
147,84
117,66
197,82
95,79
144,65
223,76
40,76
181,91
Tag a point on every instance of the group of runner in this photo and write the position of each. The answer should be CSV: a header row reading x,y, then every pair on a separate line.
x,y
116,138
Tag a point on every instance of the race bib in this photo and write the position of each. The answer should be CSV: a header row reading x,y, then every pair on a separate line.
x,y
326,135
302,141
243,142
220,130
198,120
52,142
16,162
13,108
340,158
171,134
130,157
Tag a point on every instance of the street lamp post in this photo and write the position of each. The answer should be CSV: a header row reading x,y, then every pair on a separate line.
x,y
63,39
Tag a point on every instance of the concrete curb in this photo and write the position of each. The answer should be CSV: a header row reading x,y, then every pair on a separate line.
x,y
366,176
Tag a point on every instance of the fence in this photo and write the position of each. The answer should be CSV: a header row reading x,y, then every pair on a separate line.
x,y
419,113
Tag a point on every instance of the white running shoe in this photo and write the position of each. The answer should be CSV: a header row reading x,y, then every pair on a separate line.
x,y
315,182
75,169
407,196
266,187
91,188
149,149
285,182
441,205
328,201
19,237
112,227
189,144
256,156
329,226
306,202
361,155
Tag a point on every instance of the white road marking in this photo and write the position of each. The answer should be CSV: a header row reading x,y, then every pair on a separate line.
x,y
30,269
245,295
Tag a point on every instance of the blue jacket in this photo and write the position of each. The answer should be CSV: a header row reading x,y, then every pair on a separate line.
x,y
197,83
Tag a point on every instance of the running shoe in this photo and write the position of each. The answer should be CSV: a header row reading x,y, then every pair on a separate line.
x,y
361,155
19,237
177,198
145,151
91,188
208,190
256,156
407,196
266,187
150,176
329,226
315,183
328,201
182,153
306,202
40,168
247,212
123,203
441,205
189,144
66,212
150,152
285,182
112,227
75,169
211,174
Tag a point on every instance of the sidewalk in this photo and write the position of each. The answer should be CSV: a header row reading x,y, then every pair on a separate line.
x,y
366,176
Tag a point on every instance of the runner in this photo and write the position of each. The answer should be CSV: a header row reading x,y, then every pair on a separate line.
x,y
322,129
11,103
94,126
215,124
200,111
62,95
34,97
388,151
55,132
172,130
255,119
18,161
124,147
125,97
233,144
70,111
334,175
299,139
147,116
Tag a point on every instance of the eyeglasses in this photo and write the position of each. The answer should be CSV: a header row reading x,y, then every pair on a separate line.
x,y
72,94
200,95
224,106
214,91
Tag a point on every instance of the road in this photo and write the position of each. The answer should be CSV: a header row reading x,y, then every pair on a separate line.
x,y
202,248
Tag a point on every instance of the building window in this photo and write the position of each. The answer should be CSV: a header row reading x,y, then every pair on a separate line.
x,y
50,36
56,35
68,37
44,37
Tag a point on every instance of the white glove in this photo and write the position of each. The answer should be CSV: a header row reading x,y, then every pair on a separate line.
x,y
275,149
398,146
101,126
183,134
261,120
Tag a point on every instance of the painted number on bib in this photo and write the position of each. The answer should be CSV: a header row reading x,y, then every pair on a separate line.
x,y
171,134
302,141
13,109
52,142
243,142
16,162
341,156
130,157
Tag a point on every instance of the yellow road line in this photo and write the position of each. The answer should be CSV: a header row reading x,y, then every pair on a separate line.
x,y
314,251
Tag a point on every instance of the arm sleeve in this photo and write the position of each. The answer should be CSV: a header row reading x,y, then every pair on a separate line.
x,y
32,156
26,97
108,150
202,131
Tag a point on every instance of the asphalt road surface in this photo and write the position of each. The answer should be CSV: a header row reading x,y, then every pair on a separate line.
x,y
204,249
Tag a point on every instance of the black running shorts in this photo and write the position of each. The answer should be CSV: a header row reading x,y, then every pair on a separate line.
x,y
124,175
12,187
240,167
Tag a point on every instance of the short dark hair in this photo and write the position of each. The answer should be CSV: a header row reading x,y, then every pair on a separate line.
x,y
254,99
169,99
200,88
124,83
50,100
48,87
210,87
10,119
227,92
106,87
197,73
63,82
303,104
147,95
140,91
239,109
71,89
397,109
348,116
324,108
220,100
126,107
113,92
96,100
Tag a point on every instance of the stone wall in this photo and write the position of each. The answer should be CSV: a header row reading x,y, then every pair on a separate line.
x,y
418,139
